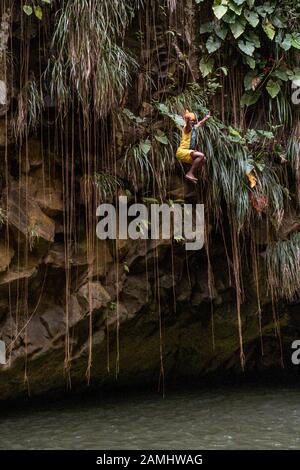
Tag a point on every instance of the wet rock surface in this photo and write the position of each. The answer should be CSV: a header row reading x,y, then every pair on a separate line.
x,y
170,319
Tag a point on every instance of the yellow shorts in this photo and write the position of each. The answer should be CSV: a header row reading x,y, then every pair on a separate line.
x,y
184,155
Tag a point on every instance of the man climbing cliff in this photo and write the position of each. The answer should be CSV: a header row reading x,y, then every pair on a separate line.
x,y
187,152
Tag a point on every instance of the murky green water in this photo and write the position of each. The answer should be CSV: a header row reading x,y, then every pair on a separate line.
x,y
218,419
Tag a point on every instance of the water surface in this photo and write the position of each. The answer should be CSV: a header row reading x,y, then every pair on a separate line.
x,y
255,418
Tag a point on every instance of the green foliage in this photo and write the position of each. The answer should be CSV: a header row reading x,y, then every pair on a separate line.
x,y
260,34
194,97
35,8
138,165
150,160
99,187
176,118
89,58
161,137
106,184
273,88
35,103
33,236
293,153
30,106
231,154
129,115
126,267
283,267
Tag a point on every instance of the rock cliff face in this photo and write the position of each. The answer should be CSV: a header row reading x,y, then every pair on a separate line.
x,y
75,310
167,325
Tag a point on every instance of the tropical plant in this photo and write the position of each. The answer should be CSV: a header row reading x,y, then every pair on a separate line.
x,y
251,27
101,185
283,267
88,56
35,7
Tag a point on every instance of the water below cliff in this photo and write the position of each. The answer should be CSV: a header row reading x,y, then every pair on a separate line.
x,y
252,418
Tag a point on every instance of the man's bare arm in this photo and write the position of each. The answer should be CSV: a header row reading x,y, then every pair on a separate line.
x,y
200,123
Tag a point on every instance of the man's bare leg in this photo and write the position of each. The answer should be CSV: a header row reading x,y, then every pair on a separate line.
x,y
198,160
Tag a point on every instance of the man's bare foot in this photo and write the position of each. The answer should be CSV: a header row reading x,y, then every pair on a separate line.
x,y
283,160
191,178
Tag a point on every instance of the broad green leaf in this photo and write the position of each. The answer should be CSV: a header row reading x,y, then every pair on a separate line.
x,y
237,29
221,30
247,47
239,2
236,8
260,166
296,40
248,80
178,120
132,117
266,134
162,138
281,74
207,27
229,18
294,74
261,11
265,9
27,9
220,10
273,88
286,44
251,36
213,44
252,17
163,108
206,66
250,98
269,29
47,1
234,132
150,200
278,21
250,61
145,146
251,136
38,12
224,70
269,8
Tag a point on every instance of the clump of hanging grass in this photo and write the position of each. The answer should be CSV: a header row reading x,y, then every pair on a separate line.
x,y
138,164
281,107
192,98
89,57
100,186
30,106
150,160
283,267
293,151
227,163
293,155
274,191
172,5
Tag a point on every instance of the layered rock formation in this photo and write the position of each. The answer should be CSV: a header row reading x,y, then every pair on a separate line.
x,y
155,320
